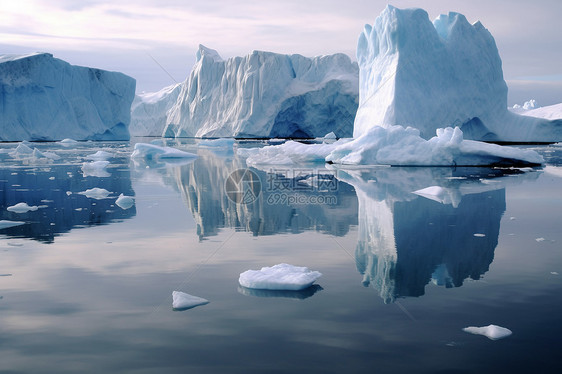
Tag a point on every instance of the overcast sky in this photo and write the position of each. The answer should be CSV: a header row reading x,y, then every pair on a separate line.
x,y
155,41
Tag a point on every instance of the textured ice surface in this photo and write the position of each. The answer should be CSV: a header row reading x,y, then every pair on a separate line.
x,y
44,98
548,112
266,94
125,202
492,332
149,111
182,300
434,75
151,151
279,277
21,208
96,193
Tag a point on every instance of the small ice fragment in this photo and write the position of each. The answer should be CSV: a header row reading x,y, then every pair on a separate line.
x,y
479,235
78,209
96,193
21,208
68,141
95,169
279,277
52,178
4,224
125,202
554,272
512,218
492,332
217,143
330,136
540,239
100,156
182,300
68,193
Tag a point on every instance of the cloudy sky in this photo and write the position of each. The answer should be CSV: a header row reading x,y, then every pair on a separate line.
x,y
155,41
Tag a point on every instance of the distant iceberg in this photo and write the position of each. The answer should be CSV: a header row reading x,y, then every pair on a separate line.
x,y
45,98
434,75
266,95
552,112
149,111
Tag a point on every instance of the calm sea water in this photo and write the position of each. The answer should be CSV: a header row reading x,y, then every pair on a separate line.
x,y
86,286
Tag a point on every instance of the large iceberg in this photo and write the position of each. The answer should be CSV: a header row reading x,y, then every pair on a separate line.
x,y
149,110
45,98
266,95
432,75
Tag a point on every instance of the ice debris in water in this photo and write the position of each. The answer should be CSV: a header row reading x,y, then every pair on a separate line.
x,y
151,151
95,169
95,193
492,332
22,208
100,156
279,277
182,300
125,202
4,224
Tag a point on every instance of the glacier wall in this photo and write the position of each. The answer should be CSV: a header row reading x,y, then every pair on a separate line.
x,y
45,98
149,111
266,95
431,75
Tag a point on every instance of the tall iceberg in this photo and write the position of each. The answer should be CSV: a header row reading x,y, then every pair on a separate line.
x,y
45,98
266,95
431,75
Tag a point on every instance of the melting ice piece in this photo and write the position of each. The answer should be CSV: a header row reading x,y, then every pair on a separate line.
x,y
330,136
182,300
125,202
5,224
279,277
68,141
492,332
96,193
100,156
95,169
22,208
150,151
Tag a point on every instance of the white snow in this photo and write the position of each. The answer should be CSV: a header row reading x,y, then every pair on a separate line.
x,y
151,151
95,169
95,193
396,146
125,202
45,98
149,111
492,332
265,95
22,208
279,277
432,75
4,224
549,112
182,300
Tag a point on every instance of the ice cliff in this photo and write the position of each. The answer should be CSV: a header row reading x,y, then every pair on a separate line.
x,y
431,75
266,95
45,98
149,110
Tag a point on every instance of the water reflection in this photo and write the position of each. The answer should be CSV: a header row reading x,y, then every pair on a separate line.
x,y
54,187
289,294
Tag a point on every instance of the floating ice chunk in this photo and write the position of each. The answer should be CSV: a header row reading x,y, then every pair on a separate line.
x,y
478,235
218,143
540,239
279,277
125,202
68,141
96,193
22,208
151,151
288,153
330,135
554,272
183,301
22,150
5,224
95,169
492,332
100,156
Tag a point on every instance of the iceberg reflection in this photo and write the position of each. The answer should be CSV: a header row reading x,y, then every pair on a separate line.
x,y
301,294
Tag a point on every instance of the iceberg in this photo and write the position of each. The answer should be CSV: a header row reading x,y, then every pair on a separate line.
x,y
433,75
492,332
149,110
549,112
45,98
22,208
183,301
265,95
279,277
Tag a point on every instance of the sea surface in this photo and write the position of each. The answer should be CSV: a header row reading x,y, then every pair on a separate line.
x,y
409,257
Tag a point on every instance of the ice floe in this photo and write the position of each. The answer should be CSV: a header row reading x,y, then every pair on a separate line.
x,y
183,301
279,277
125,202
5,224
492,332
96,193
22,208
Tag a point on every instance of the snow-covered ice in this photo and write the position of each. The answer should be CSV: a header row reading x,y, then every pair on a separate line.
x,y
432,75
5,224
22,208
492,332
279,277
151,151
548,112
45,98
125,202
95,193
182,300
149,111
265,95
